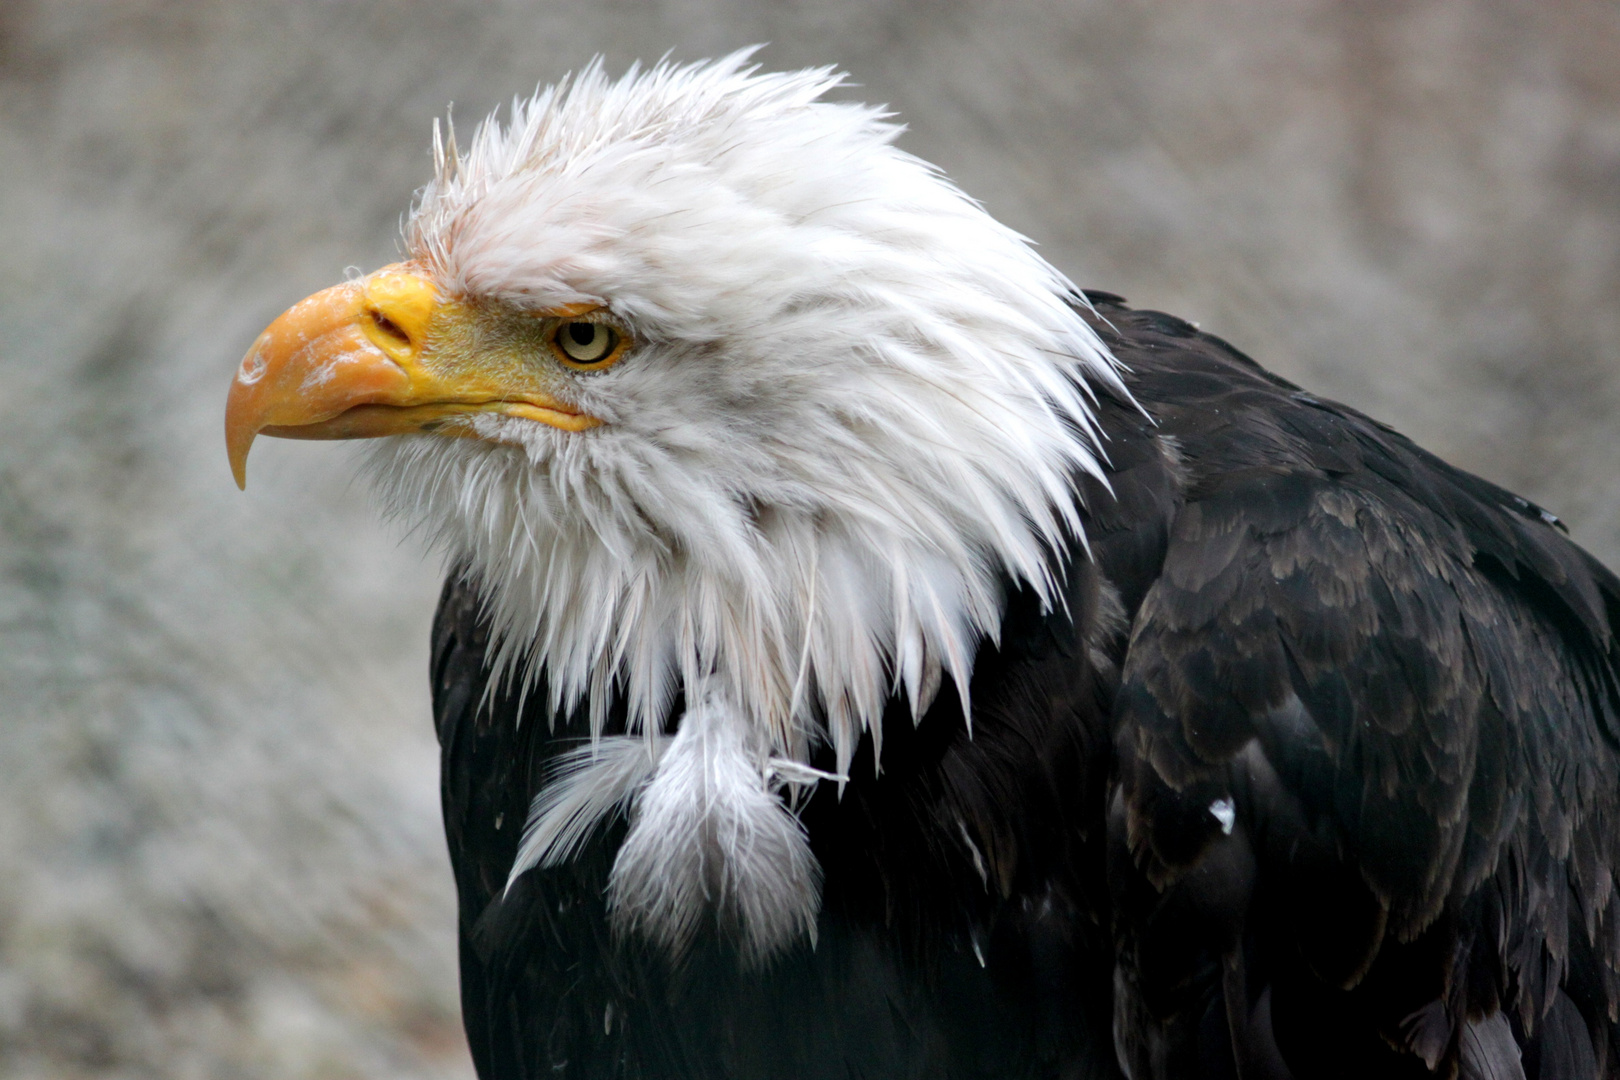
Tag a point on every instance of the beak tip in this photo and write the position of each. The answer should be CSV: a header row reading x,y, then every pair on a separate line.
x,y
237,447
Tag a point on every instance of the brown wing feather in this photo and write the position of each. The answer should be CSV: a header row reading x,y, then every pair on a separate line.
x,y
1402,681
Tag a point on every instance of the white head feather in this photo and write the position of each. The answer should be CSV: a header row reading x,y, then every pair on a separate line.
x,y
856,402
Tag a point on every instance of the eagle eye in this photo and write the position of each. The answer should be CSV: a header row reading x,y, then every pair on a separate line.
x,y
587,345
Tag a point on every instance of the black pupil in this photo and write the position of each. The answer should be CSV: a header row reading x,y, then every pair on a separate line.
x,y
582,333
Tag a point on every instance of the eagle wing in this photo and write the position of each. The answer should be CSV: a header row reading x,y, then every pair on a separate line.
x,y
1365,809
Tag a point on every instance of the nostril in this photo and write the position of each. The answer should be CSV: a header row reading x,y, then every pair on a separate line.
x,y
389,327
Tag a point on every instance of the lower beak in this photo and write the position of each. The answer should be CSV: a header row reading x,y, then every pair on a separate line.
x,y
354,362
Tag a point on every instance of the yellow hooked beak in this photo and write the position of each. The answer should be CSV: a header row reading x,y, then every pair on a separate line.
x,y
361,360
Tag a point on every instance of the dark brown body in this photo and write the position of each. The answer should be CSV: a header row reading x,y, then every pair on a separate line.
x,y
1394,682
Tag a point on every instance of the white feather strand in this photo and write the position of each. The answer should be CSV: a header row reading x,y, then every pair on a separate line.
x,y
583,787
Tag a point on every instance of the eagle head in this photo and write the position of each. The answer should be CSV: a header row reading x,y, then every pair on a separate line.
x,y
720,398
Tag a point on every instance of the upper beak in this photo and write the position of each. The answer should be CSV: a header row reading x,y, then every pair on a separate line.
x,y
355,361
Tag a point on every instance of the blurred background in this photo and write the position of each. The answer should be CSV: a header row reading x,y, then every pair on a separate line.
x,y
219,842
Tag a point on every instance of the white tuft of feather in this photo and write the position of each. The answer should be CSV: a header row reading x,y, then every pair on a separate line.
x,y
582,788
709,838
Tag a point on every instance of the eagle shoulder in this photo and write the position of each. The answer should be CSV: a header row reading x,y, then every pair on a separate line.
x,y
1367,777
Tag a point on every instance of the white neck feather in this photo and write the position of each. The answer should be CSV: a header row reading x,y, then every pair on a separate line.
x,y
860,406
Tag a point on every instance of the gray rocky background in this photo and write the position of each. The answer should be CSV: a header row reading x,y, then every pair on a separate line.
x,y
219,846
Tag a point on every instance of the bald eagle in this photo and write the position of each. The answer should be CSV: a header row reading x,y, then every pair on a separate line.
x,y
864,654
